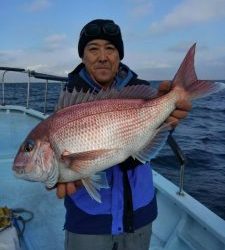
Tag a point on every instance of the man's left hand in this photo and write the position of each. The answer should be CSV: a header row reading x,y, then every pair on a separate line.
x,y
182,107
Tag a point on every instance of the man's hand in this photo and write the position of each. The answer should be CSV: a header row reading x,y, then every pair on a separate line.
x,y
182,107
68,188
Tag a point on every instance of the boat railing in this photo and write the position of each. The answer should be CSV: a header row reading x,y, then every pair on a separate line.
x,y
31,74
180,158
171,141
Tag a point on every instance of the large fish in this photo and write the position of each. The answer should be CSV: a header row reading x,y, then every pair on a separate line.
x,y
99,131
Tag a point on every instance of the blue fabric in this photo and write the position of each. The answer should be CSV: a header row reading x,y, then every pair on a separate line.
x,y
122,79
80,222
112,198
86,77
86,216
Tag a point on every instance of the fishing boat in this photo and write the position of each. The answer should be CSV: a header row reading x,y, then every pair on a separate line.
x,y
183,223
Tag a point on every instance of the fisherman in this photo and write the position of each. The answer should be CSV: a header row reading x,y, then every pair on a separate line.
x,y
123,221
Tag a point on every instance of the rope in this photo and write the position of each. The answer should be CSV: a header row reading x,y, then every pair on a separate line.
x,y
17,217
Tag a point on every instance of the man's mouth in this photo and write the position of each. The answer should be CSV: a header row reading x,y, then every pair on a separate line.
x,y
102,68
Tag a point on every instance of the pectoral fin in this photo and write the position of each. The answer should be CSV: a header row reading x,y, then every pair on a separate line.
x,y
94,183
155,145
76,161
86,155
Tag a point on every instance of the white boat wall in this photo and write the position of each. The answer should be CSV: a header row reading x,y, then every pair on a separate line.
x,y
182,224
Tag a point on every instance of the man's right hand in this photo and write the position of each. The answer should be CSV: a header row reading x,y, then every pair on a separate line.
x,y
67,188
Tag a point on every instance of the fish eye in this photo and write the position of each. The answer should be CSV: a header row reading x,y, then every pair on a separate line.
x,y
29,145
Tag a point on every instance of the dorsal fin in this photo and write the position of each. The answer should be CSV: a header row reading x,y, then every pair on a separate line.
x,y
130,92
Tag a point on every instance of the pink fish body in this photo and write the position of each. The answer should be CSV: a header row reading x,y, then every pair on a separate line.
x,y
90,136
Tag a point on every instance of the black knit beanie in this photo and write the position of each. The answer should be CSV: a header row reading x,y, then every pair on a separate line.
x,y
115,39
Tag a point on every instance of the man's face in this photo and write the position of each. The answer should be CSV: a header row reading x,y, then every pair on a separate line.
x,y
101,59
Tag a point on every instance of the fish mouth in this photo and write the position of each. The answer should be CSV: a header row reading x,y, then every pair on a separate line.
x,y
21,173
37,174
26,173
19,170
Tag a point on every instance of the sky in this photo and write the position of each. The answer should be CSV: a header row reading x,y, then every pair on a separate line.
x,y
42,35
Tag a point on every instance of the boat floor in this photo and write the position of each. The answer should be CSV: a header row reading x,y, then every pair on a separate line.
x,y
45,231
174,229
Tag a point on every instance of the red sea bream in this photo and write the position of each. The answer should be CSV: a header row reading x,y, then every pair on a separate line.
x,y
97,132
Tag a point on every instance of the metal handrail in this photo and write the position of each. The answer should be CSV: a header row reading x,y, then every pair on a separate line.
x,y
31,73
48,77
181,159
28,90
46,93
6,69
3,88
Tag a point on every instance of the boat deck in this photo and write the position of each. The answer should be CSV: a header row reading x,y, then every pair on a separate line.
x,y
182,224
45,231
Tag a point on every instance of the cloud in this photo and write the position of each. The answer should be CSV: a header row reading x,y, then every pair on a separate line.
x,y
38,5
164,64
211,63
7,56
55,56
54,42
156,66
140,8
150,66
37,67
189,12
58,62
182,47
56,38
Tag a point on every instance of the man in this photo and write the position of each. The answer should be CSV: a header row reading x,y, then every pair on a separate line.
x,y
123,220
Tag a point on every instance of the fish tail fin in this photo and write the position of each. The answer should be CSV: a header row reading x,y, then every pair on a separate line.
x,y
186,79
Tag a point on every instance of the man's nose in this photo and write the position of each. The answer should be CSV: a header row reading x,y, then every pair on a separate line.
x,y
102,55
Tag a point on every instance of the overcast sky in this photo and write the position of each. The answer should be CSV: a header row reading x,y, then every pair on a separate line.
x,y
42,35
